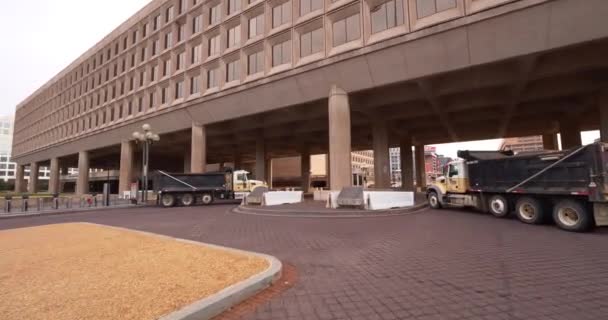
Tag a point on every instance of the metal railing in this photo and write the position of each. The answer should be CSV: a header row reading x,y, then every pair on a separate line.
x,y
27,204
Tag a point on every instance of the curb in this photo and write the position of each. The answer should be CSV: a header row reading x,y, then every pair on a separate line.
x,y
217,303
343,214
60,212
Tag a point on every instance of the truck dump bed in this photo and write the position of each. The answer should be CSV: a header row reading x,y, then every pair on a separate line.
x,y
192,182
583,171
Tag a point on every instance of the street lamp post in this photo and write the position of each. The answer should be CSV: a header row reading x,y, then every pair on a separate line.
x,y
146,139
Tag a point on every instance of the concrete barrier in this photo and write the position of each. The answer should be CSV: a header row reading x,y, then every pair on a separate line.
x,y
382,200
332,199
321,195
276,198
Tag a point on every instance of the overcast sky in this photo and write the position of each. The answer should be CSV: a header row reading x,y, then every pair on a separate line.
x,y
41,37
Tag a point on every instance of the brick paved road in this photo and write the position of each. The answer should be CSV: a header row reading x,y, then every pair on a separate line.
x,y
433,265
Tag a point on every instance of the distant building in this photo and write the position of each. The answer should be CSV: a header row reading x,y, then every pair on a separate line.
x,y
523,144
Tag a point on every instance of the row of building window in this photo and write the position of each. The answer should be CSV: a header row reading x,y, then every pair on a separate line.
x,y
311,40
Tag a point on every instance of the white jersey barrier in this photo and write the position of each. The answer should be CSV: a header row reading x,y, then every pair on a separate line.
x,y
383,200
321,195
377,200
276,198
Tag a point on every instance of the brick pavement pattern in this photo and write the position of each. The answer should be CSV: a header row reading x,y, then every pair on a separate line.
x,y
446,264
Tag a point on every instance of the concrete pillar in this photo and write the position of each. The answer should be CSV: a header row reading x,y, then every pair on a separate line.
x,y
407,164
20,179
187,160
82,183
305,169
260,157
54,176
127,150
340,167
570,135
32,186
550,142
604,117
268,171
382,163
198,153
420,168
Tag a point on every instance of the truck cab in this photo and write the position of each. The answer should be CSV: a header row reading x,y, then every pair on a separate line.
x,y
242,183
451,188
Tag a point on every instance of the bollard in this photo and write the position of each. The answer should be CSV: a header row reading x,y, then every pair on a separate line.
x,y
25,203
56,201
7,204
39,204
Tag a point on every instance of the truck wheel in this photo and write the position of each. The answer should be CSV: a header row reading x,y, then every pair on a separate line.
x,y
187,199
167,200
530,211
434,200
572,216
207,199
499,206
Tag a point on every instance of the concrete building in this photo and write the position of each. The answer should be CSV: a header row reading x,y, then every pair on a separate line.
x,y
523,144
248,81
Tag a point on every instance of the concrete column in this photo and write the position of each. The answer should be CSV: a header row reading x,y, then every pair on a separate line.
x,y
32,186
199,149
407,164
187,160
305,169
604,117
20,179
127,150
340,167
55,176
420,168
550,142
82,183
382,175
570,135
268,170
260,157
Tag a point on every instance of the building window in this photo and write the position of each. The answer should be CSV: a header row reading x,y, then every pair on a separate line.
x,y
182,6
281,14
387,15
425,8
195,85
181,31
307,6
196,24
166,68
232,71
214,15
233,6
151,100
346,30
169,14
255,63
156,22
180,58
212,79
281,53
179,90
163,95
234,36
214,45
155,46
196,54
256,26
168,40
311,42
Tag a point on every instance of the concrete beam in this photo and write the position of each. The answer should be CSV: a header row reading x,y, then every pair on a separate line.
x,y
427,90
82,183
526,69
340,168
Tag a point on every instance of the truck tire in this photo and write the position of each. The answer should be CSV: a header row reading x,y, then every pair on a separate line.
x,y
187,199
434,200
207,199
530,211
167,200
499,206
572,215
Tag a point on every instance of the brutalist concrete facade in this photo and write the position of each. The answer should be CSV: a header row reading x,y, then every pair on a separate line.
x,y
244,81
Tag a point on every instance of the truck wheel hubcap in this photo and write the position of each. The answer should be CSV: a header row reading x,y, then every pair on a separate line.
x,y
568,216
498,206
167,200
433,200
527,211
